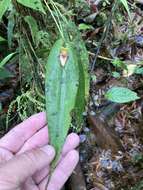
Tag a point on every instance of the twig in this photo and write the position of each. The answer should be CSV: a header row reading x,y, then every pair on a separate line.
x,y
101,57
105,33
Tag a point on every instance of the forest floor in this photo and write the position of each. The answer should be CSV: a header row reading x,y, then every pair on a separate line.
x,y
111,150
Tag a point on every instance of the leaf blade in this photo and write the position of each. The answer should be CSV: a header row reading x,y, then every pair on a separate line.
x,y
2,39
33,4
33,26
6,59
125,3
121,95
4,4
60,89
5,74
10,28
84,78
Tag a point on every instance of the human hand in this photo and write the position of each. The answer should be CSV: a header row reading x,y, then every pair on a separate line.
x,y
25,157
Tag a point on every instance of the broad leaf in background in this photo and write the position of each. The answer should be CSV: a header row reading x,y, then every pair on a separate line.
x,y
125,3
10,28
43,38
84,79
33,4
0,107
2,39
139,70
33,27
6,59
119,64
10,31
5,74
84,27
116,74
25,68
4,4
121,95
62,78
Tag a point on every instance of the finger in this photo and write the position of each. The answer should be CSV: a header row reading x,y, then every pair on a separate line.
x,y
18,169
72,141
40,175
5,155
30,185
62,172
38,140
18,135
41,138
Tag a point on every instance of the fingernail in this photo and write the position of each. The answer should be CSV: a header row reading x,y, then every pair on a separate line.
x,y
49,150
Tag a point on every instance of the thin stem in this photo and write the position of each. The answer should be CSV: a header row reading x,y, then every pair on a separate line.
x,y
64,19
105,33
57,14
60,30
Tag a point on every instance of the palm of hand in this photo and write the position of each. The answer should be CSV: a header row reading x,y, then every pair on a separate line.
x,y
32,134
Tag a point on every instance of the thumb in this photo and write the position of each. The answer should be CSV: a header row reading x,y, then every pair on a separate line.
x,y
18,169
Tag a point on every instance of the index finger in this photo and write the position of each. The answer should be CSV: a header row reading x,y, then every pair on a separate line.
x,y
15,139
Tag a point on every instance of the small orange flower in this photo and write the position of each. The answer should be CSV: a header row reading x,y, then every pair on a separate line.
x,y
63,56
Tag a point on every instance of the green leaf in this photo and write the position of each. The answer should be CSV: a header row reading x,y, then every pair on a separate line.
x,y
10,28
119,64
137,158
0,107
139,70
61,89
33,26
43,38
84,78
125,3
83,90
94,78
25,68
5,73
33,4
6,59
116,74
85,27
121,95
2,39
4,4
